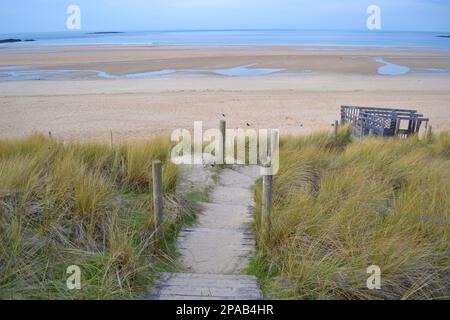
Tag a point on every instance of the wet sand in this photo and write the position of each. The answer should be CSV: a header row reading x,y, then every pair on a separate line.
x,y
134,59
135,108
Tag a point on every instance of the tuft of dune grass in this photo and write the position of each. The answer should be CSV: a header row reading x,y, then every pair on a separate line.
x,y
85,204
342,205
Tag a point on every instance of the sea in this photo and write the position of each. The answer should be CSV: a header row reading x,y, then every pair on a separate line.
x,y
429,41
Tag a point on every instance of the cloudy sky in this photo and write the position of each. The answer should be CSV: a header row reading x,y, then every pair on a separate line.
x,y
50,15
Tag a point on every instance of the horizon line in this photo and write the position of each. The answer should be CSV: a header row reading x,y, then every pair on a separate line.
x,y
221,29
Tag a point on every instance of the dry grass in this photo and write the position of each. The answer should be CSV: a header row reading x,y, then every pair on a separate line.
x,y
342,205
87,204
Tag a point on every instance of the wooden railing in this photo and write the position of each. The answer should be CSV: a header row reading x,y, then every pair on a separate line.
x,y
382,121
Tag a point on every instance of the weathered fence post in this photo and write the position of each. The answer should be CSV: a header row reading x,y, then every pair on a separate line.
x,y
336,127
429,132
158,204
122,165
273,144
361,129
266,210
397,127
223,129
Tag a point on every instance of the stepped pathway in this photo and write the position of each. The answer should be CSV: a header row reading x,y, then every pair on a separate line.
x,y
215,251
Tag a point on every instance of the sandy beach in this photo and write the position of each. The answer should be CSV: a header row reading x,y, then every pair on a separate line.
x,y
305,95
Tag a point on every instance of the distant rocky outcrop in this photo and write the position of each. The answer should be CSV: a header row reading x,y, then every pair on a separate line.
x,y
9,40
12,40
105,32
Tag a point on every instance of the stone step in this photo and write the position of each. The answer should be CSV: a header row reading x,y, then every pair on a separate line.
x,y
188,286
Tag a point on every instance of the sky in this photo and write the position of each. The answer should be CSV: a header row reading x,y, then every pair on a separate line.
x,y
20,16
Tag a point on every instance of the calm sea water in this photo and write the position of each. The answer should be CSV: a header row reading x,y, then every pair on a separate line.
x,y
384,40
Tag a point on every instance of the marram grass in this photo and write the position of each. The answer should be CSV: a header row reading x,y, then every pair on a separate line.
x,y
85,204
342,205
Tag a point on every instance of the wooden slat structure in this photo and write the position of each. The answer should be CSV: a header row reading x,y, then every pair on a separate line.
x,y
195,286
384,122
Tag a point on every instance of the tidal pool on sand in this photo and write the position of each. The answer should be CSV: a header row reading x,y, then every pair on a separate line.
x,y
24,73
246,71
390,69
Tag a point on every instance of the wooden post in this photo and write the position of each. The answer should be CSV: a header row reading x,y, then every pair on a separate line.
x,y
336,127
223,129
397,127
409,128
414,127
266,210
158,204
122,165
429,132
111,134
361,129
50,134
273,142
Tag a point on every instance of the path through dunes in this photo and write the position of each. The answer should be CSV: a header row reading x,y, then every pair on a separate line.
x,y
216,250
